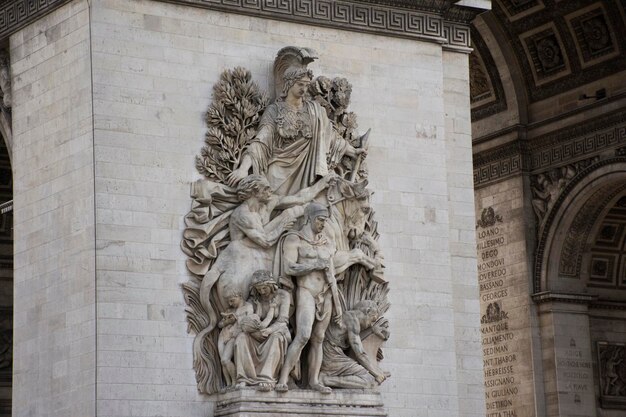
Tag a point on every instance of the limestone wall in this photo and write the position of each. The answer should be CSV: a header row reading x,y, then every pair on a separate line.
x,y
153,66
54,360
462,239
510,342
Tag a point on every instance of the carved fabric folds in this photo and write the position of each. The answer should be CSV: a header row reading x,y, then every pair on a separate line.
x,y
302,160
260,359
335,361
207,231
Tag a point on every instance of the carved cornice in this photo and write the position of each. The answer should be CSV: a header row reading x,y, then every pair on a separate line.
x,y
498,164
422,19
608,305
16,14
430,20
549,296
556,148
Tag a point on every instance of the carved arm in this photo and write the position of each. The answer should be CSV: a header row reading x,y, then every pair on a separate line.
x,y
290,258
306,194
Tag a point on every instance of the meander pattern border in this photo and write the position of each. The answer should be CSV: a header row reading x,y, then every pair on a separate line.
x,y
429,24
16,14
549,150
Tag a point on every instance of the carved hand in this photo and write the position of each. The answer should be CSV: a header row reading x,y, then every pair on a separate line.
x,y
331,178
361,151
381,332
365,260
237,175
288,224
380,378
322,264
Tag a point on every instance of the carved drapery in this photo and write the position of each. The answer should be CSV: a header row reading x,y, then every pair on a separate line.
x,y
282,220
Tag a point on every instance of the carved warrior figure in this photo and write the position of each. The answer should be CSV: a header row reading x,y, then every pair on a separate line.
x,y
262,165
309,257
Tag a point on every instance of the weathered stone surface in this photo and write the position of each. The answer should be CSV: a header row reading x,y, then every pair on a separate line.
x,y
305,403
54,361
153,67
262,164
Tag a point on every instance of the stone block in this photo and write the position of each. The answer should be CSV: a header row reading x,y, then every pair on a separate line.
x,y
345,403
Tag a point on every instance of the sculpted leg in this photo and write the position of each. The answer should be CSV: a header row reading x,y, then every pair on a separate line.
x,y
226,356
350,381
315,348
305,315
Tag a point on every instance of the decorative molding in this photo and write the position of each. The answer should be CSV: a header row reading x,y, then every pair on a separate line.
x,y
549,296
457,36
544,49
422,20
16,14
488,218
494,313
595,38
608,305
561,147
497,164
556,15
430,20
578,147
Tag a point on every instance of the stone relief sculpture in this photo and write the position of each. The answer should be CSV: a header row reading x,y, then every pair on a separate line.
x,y
547,187
488,218
231,328
6,98
343,338
261,349
612,372
281,241
5,80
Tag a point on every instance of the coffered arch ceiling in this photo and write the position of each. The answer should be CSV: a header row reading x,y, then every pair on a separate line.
x,y
556,45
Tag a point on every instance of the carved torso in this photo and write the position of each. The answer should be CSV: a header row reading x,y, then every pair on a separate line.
x,y
309,251
292,124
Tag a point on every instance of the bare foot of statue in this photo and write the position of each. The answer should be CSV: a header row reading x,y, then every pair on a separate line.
x,y
281,388
321,388
264,387
240,385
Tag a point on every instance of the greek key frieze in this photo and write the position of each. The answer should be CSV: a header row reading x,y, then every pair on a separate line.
x,y
417,20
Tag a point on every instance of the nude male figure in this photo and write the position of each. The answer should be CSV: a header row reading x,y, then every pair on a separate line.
x,y
307,255
312,259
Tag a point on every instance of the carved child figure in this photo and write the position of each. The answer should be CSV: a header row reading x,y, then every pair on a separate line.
x,y
253,322
231,327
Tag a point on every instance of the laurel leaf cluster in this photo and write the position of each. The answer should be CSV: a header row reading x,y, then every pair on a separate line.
x,y
232,120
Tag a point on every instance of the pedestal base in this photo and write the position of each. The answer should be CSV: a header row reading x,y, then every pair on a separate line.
x,y
303,403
